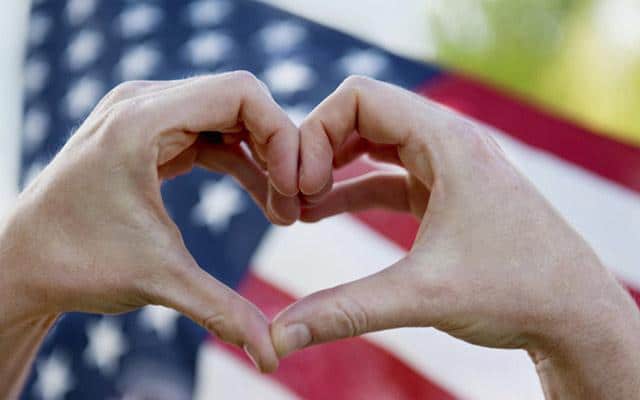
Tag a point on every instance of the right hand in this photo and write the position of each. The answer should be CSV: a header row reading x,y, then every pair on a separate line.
x,y
493,263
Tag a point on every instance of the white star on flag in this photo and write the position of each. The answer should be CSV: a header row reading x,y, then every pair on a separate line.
x,y
82,96
36,73
54,377
39,27
106,345
79,10
36,124
287,77
208,48
159,319
219,202
84,49
138,62
138,20
364,62
208,12
281,36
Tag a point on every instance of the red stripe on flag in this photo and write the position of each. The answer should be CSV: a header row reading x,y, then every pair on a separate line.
x,y
635,294
613,160
347,369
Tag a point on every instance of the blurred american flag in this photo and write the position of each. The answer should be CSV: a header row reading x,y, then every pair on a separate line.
x,y
79,49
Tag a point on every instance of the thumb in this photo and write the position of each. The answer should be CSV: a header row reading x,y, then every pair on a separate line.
x,y
222,312
385,300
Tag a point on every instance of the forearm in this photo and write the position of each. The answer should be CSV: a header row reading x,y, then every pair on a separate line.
x,y
18,346
597,359
23,324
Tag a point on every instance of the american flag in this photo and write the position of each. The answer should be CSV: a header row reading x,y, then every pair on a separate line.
x,y
79,49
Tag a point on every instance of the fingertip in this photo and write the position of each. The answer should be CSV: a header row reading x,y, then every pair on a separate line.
x,y
264,357
289,338
271,366
283,160
283,210
278,340
310,214
257,342
316,160
313,180
317,198
287,187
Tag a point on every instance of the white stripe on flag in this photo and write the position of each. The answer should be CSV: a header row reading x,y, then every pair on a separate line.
x,y
221,375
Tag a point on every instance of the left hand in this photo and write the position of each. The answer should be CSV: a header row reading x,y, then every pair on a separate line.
x,y
91,232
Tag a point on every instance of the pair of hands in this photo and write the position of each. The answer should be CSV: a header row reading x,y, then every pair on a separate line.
x,y
493,263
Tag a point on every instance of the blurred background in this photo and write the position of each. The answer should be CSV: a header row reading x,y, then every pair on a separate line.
x,y
563,74
579,58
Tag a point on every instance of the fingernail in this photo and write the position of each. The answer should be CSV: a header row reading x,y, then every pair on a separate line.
x,y
251,357
294,337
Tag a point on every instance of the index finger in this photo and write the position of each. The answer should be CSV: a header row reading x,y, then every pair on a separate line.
x,y
381,113
218,103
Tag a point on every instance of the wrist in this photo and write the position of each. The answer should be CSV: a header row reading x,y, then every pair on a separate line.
x,y
22,298
24,317
592,353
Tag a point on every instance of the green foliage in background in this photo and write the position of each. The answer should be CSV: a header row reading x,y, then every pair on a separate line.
x,y
579,58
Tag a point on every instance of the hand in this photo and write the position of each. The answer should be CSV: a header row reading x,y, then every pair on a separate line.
x,y
91,233
493,263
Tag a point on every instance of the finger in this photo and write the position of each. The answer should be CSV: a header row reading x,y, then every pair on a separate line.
x,y
222,312
355,147
179,165
383,114
231,138
282,210
130,89
310,200
255,154
373,190
221,102
234,160
385,300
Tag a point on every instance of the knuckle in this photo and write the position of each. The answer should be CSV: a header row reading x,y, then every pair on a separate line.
x,y
345,317
306,129
226,324
126,90
472,141
481,145
357,83
246,79
218,325
120,115
350,317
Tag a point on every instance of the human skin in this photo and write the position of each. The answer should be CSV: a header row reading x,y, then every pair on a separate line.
x,y
91,233
493,263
